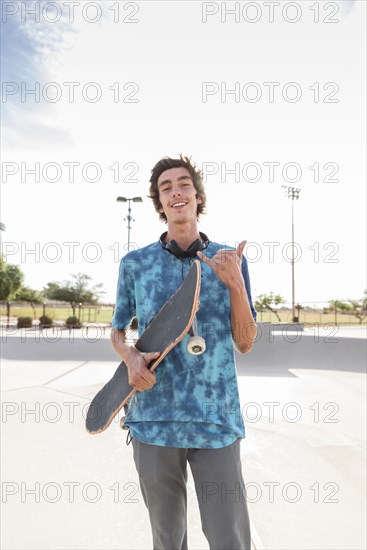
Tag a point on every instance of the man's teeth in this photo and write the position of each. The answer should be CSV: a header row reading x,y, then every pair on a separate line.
x,y
179,204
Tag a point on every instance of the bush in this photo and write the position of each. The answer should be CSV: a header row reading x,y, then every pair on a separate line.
x,y
73,322
45,321
24,322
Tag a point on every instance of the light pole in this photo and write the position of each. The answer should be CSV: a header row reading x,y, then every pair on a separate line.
x,y
129,218
292,193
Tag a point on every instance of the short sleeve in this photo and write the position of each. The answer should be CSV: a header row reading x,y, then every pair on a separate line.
x,y
125,307
246,277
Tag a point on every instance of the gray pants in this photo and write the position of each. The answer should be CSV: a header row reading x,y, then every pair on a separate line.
x,y
220,490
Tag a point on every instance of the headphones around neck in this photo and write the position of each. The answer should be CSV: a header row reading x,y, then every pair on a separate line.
x,y
175,249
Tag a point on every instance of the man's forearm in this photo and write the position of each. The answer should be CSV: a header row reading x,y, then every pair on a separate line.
x,y
243,325
121,347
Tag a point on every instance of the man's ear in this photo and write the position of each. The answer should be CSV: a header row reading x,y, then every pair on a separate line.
x,y
198,198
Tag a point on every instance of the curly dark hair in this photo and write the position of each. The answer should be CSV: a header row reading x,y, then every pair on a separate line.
x,y
165,164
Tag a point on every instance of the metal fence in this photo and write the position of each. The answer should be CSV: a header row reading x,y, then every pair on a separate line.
x,y
58,312
310,313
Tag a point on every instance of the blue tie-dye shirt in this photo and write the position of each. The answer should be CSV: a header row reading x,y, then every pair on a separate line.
x,y
195,401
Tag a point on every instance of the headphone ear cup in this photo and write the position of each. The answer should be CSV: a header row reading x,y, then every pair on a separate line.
x,y
194,247
176,249
171,247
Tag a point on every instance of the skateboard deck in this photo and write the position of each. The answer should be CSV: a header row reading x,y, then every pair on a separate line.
x,y
173,321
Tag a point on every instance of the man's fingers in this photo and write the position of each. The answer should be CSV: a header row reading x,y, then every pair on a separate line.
x,y
240,248
205,259
142,378
222,255
142,385
202,256
149,357
146,380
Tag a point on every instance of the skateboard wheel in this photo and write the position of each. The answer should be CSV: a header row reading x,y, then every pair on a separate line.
x,y
196,345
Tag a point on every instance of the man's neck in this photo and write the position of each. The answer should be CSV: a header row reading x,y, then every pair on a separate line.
x,y
184,234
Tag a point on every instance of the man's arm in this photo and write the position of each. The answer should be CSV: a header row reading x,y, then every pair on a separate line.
x,y
243,325
226,264
140,377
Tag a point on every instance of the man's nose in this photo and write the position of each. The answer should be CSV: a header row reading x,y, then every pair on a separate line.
x,y
176,190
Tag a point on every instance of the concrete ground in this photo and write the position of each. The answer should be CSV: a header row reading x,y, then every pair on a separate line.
x,y
303,401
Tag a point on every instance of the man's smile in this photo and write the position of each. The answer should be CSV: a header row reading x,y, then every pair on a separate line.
x,y
178,204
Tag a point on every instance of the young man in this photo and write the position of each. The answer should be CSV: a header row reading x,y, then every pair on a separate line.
x,y
188,410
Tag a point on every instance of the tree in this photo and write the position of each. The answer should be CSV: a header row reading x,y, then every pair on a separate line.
x,y
11,278
265,301
338,305
75,292
359,307
26,294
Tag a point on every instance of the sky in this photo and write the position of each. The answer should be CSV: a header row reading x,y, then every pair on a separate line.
x,y
263,97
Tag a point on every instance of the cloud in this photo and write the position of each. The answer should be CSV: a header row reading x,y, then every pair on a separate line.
x,y
29,47
32,52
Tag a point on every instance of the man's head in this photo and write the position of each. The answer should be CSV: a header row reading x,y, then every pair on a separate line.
x,y
158,177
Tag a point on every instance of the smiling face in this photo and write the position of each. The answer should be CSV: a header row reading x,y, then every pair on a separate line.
x,y
177,195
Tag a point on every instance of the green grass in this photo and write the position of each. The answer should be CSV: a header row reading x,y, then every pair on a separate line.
x,y
103,314
100,314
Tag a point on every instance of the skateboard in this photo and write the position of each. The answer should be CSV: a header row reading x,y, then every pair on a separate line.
x,y
169,326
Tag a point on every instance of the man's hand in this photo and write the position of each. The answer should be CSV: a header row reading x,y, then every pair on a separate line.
x,y
140,377
226,264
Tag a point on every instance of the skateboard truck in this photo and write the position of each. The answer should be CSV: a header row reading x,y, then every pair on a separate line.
x,y
196,344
